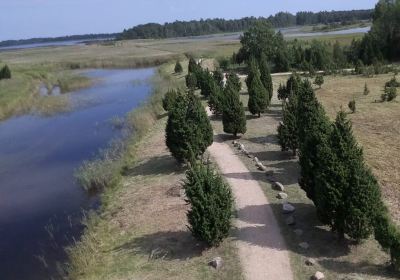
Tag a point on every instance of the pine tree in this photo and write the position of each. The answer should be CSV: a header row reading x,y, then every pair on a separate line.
x,y
266,78
192,67
313,128
211,204
352,106
218,77
233,116
252,70
258,96
188,131
205,82
235,81
287,130
178,68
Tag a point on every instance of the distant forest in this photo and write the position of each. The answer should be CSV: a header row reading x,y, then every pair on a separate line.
x,y
212,26
10,43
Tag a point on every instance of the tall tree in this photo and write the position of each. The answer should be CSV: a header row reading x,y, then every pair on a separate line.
x,y
233,116
313,129
287,130
178,68
216,99
266,78
258,96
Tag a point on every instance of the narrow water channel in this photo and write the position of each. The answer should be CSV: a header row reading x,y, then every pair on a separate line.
x,y
40,202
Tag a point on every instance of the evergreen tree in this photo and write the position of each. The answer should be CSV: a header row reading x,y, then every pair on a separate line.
x,y
366,90
352,106
205,82
188,131
266,78
216,99
282,92
233,116
5,73
258,96
191,81
170,98
287,130
235,81
178,68
218,77
252,70
211,203
319,80
192,67
313,129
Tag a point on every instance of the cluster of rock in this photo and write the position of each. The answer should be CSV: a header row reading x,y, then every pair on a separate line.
x,y
241,148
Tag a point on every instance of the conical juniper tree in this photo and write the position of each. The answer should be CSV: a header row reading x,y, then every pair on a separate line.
x,y
313,129
233,116
211,203
178,68
235,81
216,99
258,96
287,129
252,70
205,82
266,78
218,76
188,131
192,66
5,73
170,98
191,81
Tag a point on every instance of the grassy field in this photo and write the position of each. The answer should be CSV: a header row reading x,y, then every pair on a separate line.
x,y
21,93
337,260
141,232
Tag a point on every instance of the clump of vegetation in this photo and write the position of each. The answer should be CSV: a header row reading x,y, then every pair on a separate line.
x,y
392,83
170,98
319,80
188,131
352,106
287,130
191,81
265,75
292,86
5,73
218,77
178,68
366,89
211,204
216,99
233,116
390,94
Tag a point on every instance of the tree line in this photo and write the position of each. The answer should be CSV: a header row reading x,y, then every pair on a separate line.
x,y
219,25
334,174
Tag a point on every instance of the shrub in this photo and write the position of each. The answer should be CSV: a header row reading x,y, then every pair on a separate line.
x,y
178,68
191,81
352,106
211,204
392,83
391,94
169,99
5,73
319,80
366,89
188,131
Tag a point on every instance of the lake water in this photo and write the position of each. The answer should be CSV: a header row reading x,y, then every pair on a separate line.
x,y
40,202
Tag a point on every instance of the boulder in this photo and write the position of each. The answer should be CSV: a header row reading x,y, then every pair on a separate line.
x,y
318,276
282,195
290,221
279,186
288,208
310,262
216,263
304,245
241,147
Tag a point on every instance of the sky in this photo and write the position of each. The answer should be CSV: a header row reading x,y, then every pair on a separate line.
x,y
21,19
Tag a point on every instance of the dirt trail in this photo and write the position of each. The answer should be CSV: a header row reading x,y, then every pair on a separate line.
x,y
262,250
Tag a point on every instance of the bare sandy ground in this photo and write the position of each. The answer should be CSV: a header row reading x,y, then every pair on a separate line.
x,y
262,250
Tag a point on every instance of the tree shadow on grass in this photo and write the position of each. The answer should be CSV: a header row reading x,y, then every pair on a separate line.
x,y
287,172
269,139
168,245
271,156
165,164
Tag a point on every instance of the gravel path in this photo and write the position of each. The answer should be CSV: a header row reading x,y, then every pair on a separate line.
x,y
262,250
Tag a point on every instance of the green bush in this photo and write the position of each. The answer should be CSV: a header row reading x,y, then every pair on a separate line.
x,y
188,130
366,89
191,81
352,106
169,99
391,94
319,80
5,73
392,83
211,204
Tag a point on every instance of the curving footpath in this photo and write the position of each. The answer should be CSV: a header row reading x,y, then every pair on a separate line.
x,y
262,250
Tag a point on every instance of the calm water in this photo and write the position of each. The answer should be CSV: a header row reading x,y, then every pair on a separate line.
x,y
38,155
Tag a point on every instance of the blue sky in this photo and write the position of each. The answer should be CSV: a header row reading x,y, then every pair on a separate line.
x,y
43,18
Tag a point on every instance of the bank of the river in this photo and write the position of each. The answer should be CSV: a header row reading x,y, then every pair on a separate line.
x,y
23,93
141,231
